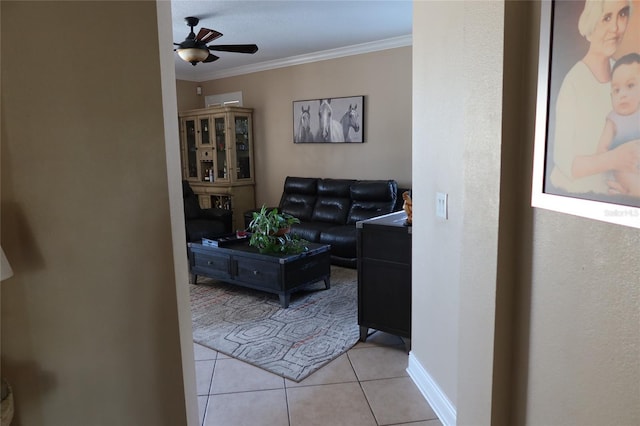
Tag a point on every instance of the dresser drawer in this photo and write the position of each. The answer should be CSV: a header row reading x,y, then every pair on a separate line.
x,y
212,265
253,271
386,245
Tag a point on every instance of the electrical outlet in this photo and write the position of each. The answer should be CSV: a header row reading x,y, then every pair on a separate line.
x,y
441,205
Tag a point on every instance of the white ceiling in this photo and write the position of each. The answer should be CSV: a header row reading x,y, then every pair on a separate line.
x,y
290,32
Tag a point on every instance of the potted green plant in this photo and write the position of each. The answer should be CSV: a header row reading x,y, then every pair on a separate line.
x,y
270,232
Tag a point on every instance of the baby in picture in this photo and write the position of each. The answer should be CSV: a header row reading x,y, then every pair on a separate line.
x,y
623,123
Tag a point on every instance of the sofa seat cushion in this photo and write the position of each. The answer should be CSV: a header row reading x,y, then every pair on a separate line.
x,y
342,240
309,231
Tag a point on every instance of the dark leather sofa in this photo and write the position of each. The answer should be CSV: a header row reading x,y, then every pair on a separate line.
x,y
203,223
328,210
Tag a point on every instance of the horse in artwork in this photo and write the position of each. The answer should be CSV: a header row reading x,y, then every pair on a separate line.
x,y
350,120
330,130
303,134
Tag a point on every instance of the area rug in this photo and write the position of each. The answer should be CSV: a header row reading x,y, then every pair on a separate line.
x,y
318,326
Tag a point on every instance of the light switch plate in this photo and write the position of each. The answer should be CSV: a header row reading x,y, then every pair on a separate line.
x,y
441,205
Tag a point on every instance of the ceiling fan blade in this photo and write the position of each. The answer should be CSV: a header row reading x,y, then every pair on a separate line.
x,y
237,48
211,58
206,35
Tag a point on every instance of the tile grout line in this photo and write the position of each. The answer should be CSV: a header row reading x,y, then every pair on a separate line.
x,y
362,389
206,406
245,391
286,400
204,414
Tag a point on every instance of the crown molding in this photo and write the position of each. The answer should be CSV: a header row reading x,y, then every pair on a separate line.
x,y
357,49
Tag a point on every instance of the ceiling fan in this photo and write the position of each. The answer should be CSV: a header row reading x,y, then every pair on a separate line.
x,y
194,48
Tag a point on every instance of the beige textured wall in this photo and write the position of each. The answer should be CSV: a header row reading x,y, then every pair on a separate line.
x,y
89,321
478,287
438,160
549,329
457,151
384,78
584,347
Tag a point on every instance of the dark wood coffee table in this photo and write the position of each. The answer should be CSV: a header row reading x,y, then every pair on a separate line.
x,y
241,264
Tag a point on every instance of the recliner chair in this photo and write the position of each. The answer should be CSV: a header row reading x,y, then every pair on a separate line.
x,y
203,223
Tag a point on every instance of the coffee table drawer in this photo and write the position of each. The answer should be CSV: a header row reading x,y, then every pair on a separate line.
x,y
212,265
266,274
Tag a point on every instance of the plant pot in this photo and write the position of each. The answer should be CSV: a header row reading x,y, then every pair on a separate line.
x,y
280,232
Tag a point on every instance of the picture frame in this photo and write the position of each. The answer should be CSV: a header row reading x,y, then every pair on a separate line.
x,y
329,120
599,196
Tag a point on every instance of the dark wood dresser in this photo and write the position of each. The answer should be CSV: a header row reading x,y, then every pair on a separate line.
x,y
384,275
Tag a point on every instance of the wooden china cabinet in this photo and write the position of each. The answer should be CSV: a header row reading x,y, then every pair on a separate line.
x,y
216,146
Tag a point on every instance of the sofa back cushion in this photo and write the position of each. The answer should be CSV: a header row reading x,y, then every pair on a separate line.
x,y
300,185
372,198
191,203
299,197
333,202
298,205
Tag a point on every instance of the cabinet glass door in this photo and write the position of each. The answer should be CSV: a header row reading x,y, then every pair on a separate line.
x,y
205,136
205,151
242,147
221,147
191,148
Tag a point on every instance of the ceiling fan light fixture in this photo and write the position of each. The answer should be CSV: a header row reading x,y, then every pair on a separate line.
x,y
194,48
193,55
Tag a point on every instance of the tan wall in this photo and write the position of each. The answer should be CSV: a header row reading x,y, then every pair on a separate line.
x,y
89,321
545,333
187,96
384,78
457,152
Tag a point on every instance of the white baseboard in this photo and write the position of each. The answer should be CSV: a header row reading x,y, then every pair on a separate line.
x,y
438,400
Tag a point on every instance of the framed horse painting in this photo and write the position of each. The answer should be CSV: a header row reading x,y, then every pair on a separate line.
x,y
329,120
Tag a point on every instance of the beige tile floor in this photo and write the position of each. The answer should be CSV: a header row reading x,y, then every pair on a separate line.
x,y
367,386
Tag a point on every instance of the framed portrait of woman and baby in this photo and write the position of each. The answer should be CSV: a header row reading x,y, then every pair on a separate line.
x,y
587,143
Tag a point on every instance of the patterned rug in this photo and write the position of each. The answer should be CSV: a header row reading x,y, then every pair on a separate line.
x,y
318,326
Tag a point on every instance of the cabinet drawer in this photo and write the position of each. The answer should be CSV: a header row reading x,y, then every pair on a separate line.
x,y
211,265
384,297
306,269
392,247
252,271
